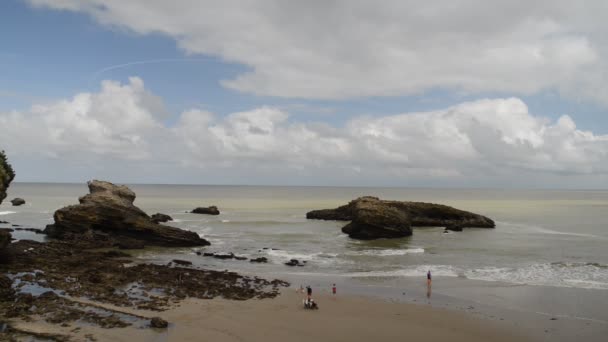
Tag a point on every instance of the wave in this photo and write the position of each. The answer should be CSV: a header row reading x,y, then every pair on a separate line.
x,y
388,252
319,258
414,271
7,212
578,275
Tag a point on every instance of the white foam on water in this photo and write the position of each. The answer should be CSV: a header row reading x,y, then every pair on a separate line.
x,y
578,275
225,221
7,212
414,271
388,252
319,258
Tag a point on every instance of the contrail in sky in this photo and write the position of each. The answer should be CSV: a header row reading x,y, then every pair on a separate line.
x,y
147,61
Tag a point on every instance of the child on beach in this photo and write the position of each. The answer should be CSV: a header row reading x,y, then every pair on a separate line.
x,y
308,291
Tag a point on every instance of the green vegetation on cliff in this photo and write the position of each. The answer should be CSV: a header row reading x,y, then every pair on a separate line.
x,y
6,175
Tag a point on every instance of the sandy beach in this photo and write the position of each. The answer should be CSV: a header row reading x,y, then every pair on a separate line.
x,y
340,318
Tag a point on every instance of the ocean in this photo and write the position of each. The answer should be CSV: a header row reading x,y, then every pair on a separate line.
x,y
552,242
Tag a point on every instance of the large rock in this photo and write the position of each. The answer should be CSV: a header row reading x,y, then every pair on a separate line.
x,y
107,215
373,218
212,210
17,202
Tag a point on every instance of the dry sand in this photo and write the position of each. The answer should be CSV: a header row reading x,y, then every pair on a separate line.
x,y
340,318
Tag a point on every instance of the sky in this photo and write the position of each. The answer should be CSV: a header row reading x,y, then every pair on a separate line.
x,y
347,93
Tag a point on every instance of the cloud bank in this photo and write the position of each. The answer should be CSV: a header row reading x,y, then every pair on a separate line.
x,y
122,129
349,48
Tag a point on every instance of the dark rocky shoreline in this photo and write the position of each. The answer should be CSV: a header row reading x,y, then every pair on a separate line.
x,y
73,278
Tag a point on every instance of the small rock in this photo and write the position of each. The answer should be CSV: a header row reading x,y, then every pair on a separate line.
x,y
224,256
158,217
157,322
260,259
553,319
240,258
18,201
208,254
294,262
212,210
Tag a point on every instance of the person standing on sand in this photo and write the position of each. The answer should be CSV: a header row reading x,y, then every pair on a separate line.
x,y
309,291
333,289
428,284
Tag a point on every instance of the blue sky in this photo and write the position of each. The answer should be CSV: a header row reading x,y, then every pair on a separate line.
x,y
51,52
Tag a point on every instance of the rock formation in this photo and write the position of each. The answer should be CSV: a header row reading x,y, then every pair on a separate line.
x,y
6,177
107,216
212,210
17,202
373,218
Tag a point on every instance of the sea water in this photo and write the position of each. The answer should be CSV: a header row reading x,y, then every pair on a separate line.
x,y
547,238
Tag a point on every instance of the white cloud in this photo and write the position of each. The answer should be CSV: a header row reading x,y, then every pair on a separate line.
x,y
347,48
120,129
117,122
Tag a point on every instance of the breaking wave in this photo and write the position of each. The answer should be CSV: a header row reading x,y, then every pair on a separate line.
x,y
559,274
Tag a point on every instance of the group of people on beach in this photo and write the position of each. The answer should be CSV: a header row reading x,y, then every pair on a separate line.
x,y
309,302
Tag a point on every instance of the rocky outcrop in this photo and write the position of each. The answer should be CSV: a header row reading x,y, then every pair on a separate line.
x,y
17,202
158,218
212,210
373,218
6,175
107,216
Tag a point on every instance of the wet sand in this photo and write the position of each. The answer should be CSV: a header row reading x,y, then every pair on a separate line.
x,y
340,318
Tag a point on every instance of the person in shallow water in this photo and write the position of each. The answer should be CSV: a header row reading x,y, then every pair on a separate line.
x,y
333,289
428,284
308,291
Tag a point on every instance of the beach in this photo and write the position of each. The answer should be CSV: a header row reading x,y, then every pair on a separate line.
x,y
340,318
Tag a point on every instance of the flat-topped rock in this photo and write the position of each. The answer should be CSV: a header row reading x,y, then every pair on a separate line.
x,y
107,214
212,210
373,218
